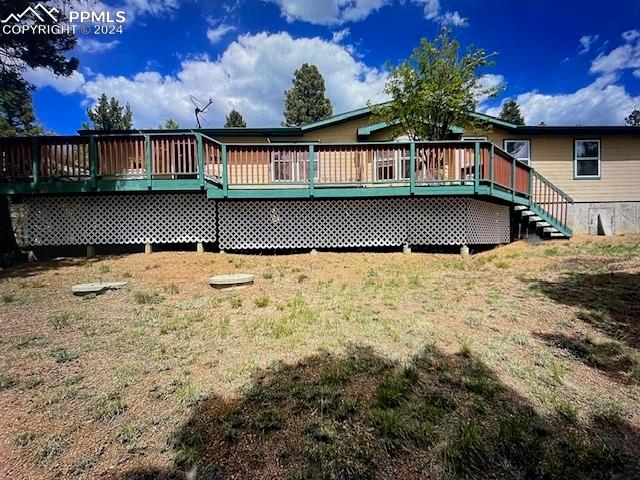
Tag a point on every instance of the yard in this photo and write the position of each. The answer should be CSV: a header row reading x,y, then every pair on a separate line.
x,y
520,362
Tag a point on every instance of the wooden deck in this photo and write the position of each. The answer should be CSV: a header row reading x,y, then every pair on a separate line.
x,y
194,162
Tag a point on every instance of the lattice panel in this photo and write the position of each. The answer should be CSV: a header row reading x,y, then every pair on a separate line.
x,y
342,223
487,223
119,219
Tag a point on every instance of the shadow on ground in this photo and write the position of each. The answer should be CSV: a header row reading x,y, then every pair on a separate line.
x,y
610,300
358,416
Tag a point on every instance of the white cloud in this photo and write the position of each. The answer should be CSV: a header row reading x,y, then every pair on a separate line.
x,y
433,11
631,35
215,34
91,45
626,56
586,41
42,77
340,35
251,76
489,81
600,103
338,12
328,12
603,102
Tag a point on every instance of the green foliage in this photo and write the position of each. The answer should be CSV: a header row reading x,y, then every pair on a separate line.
x,y
109,115
633,119
234,119
435,89
28,50
305,102
511,113
170,124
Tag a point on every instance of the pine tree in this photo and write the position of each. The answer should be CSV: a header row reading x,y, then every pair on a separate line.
x,y
633,119
511,113
305,102
109,115
234,119
170,124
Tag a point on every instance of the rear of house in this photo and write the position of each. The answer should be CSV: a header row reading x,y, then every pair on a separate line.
x,y
346,181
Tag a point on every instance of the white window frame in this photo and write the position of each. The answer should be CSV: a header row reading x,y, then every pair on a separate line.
x,y
527,160
398,163
575,158
296,164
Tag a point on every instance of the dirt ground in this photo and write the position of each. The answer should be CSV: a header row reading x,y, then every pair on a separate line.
x,y
519,362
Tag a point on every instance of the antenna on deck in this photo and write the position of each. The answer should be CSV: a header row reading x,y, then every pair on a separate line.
x,y
198,110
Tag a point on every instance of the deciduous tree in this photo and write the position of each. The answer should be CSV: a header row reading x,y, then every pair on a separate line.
x,y
435,89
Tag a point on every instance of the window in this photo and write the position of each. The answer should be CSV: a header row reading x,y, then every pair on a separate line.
x,y
520,149
391,165
288,166
587,158
471,138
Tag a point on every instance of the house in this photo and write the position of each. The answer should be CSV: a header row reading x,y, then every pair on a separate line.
x,y
340,182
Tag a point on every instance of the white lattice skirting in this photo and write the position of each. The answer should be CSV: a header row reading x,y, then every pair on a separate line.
x,y
262,224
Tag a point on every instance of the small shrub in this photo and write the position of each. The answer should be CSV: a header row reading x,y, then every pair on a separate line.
x,y
6,381
607,411
61,320
8,298
23,439
235,302
62,355
108,407
83,463
171,289
129,432
50,447
267,275
557,374
522,338
466,346
301,278
262,301
127,275
144,298
102,269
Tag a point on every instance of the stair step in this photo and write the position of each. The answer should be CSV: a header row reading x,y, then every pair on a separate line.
x,y
550,230
542,224
558,235
519,208
535,218
527,213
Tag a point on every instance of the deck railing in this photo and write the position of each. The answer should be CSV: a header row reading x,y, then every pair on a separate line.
x,y
204,162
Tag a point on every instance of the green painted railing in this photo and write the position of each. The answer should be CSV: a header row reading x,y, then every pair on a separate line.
x,y
190,161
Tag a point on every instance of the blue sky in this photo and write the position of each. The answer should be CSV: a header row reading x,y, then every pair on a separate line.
x,y
565,62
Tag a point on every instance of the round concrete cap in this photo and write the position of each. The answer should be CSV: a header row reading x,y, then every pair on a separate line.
x,y
231,280
97,288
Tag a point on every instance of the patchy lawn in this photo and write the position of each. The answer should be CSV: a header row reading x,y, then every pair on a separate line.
x,y
521,362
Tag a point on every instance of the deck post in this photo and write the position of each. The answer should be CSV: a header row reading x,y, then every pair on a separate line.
x,y
476,167
225,174
35,162
412,167
200,159
93,160
491,157
513,179
147,156
148,248
312,169
530,185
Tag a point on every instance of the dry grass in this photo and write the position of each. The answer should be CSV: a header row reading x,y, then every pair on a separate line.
x,y
349,365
